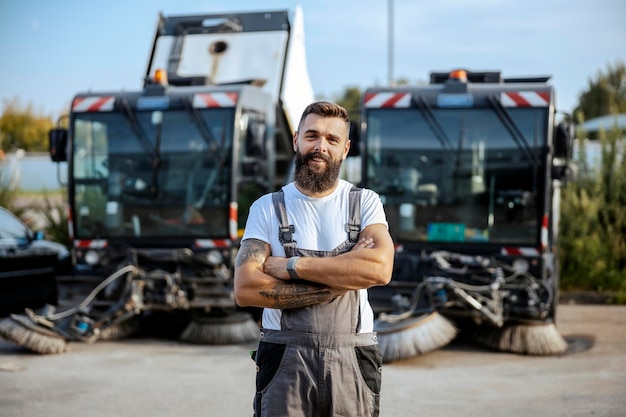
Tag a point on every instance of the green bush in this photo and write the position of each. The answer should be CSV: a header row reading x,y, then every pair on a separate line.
x,y
592,239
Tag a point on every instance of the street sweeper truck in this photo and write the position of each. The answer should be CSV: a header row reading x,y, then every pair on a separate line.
x,y
160,180
469,168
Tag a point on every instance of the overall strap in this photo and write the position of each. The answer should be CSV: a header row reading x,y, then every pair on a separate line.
x,y
285,230
354,209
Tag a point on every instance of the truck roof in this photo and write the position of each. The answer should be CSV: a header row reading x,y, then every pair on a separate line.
x,y
476,88
223,22
167,97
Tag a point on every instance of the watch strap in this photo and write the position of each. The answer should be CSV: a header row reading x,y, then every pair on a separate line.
x,y
291,267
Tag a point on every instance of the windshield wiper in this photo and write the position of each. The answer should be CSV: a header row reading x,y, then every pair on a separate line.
x,y
141,135
215,149
204,129
436,127
511,127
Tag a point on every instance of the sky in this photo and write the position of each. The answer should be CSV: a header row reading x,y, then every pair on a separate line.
x,y
53,49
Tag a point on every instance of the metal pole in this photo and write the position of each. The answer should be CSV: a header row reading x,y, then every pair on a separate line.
x,y
390,42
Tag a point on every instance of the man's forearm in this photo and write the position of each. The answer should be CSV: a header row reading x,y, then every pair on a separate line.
x,y
368,264
296,294
347,272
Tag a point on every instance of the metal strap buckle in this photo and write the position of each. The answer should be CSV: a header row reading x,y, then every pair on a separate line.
x,y
285,233
353,232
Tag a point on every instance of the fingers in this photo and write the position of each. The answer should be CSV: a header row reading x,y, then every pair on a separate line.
x,y
364,243
276,266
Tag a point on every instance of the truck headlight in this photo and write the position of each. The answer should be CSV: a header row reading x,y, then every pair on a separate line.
x,y
214,257
92,257
520,265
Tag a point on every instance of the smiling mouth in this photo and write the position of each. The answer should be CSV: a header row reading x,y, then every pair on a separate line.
x,y
317,163
317,158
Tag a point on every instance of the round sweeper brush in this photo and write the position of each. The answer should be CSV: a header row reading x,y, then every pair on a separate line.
x,y
22,331
413,336
120,330
227,329
526,338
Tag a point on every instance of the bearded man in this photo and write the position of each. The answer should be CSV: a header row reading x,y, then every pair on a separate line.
x,y
308,255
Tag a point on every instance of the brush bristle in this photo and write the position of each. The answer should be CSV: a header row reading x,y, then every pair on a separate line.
x,y
228,330
23,332
536,338
120,330
414,336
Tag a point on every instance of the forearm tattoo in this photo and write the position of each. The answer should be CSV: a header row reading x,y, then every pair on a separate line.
x,y
284,294
297,293
251,250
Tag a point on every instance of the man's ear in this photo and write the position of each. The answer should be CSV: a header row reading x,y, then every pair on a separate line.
x,y
295,141
346,150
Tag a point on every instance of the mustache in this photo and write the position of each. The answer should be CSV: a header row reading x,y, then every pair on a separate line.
x,y
316,154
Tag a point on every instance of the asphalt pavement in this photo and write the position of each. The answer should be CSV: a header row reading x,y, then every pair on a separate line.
x,y
160,377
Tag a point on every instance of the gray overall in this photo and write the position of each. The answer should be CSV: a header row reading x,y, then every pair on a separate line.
x,y
318,364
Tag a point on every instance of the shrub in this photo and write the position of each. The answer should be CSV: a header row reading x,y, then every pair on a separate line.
x,y
592,239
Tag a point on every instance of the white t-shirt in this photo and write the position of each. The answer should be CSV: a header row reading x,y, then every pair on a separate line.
x,y
320,224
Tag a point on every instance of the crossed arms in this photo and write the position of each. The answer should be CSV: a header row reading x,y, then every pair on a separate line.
x,y
262,280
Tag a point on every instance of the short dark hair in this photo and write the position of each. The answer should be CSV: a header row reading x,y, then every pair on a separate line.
x,y
325,109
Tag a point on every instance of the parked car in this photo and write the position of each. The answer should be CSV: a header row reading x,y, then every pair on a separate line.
x,y
28,266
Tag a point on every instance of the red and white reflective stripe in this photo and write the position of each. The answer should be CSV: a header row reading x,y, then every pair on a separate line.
x,y
515,251
525,99
205,100
232,220
212,243
544,232
91,244
93,104
374,100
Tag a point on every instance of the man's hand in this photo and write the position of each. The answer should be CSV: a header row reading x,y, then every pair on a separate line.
x,y
276,266
368,264
364,243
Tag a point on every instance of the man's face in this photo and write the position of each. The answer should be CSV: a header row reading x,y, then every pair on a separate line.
x,y
321,145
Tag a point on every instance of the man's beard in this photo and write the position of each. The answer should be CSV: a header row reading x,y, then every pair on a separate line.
x,y
314,181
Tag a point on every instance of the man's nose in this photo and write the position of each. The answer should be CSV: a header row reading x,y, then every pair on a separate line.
x,y
321,145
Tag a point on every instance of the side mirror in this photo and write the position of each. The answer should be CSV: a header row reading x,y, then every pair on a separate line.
x,y
58,144
566,172
564,140
355,140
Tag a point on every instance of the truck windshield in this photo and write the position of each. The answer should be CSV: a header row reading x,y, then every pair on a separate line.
x,y
152,173
471,181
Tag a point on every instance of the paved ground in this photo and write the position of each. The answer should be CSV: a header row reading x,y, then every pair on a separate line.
x,y
163,378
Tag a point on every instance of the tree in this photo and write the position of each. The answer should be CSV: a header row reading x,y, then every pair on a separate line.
x,y
605,95
351,100
22,128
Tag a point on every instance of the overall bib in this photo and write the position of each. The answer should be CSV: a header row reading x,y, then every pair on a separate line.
x,y
319,364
